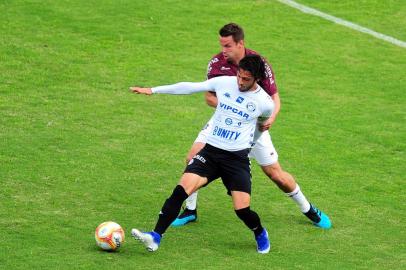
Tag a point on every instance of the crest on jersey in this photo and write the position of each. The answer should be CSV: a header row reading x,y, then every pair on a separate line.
x,y
251,107
228,121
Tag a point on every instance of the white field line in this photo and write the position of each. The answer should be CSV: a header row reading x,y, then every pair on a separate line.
x,y
348,24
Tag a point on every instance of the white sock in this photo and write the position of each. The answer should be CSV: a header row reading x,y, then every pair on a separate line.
x,y
191,201
299,199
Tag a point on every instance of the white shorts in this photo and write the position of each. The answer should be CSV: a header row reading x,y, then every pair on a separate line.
x,y
263,151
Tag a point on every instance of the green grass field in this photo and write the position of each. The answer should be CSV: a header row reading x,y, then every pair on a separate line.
x,y
77,149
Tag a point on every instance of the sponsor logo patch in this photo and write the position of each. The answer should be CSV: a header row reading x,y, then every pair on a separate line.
x,y
234,110
239,100
225,133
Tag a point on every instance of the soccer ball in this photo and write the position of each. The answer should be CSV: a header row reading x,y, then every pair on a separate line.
x,y
109,235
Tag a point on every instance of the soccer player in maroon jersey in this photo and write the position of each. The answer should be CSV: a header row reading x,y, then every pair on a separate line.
x,y
225,63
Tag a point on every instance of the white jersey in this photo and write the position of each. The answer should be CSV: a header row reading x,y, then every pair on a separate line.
x,y
237,113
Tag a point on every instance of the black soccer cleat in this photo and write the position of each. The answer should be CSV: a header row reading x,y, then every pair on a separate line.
x,y
186,217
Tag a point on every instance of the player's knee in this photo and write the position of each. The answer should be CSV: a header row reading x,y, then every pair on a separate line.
x,y
274,172
191,182
241,199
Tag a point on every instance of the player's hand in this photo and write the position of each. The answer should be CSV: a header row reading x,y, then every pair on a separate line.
x,y
211,99
266,124
141,90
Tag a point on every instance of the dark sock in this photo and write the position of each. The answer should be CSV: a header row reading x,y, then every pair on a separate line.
x,y
257,231
170,209
190,212
250,219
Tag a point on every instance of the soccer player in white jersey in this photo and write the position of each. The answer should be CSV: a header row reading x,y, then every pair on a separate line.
x,y
226,64
241,102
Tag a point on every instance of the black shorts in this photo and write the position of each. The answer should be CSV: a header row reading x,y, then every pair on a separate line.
x,y
233,167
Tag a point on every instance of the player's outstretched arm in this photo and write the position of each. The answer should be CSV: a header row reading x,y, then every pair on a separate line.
x,y
181,88
141,90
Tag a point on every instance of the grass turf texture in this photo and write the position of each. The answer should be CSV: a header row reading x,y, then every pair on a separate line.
x,y
77,149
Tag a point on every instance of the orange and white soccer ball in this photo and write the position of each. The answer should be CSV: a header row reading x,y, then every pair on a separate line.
x,y
109,235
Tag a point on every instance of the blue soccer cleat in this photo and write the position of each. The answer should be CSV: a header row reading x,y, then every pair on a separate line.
x,y
151,240
184,218
263,243
319,218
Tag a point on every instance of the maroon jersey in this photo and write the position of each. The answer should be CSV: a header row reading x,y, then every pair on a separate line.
x,y
218,66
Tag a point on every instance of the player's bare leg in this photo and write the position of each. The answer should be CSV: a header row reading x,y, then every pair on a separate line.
x,y
287,184
282,179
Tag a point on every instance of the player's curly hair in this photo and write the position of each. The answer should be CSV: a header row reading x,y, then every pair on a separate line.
x,y
234,30
255,65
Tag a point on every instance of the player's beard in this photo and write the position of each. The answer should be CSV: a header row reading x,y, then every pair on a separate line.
x,y
246,88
